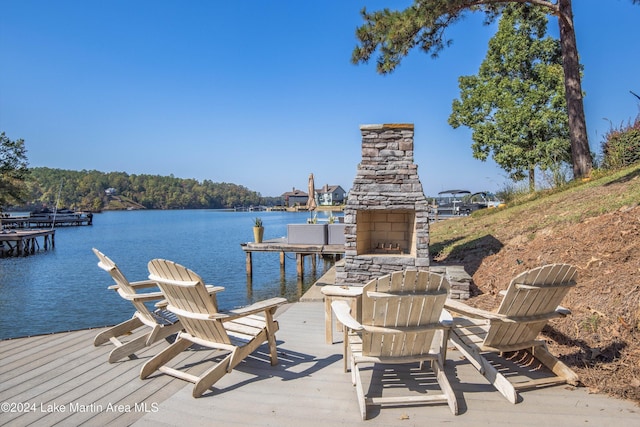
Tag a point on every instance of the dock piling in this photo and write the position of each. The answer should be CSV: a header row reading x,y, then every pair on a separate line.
x,y
300,250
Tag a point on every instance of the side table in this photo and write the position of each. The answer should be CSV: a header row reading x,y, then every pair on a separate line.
x,y
351,294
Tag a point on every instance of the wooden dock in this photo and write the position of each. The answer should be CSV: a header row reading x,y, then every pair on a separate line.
x,y
25,242
62,379
300,251
47,220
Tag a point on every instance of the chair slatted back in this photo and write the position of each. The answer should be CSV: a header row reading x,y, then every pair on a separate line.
x,y
401,312
188,298
125,290
532,294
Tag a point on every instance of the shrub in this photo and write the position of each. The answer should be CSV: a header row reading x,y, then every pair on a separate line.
x,y
621,146
512,192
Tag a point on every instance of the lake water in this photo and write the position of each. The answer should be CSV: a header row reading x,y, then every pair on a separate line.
x,y
63,289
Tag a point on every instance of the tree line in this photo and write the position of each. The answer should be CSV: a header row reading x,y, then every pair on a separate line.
x,y
95,191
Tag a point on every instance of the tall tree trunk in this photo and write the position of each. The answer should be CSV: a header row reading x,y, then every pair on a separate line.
x,y
580,152
532,179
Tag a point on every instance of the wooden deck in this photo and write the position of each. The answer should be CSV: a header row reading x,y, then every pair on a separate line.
x,y
62,379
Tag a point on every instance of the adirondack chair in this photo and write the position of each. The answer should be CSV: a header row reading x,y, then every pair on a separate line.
x,y
237,332
161,323
531,300
402,319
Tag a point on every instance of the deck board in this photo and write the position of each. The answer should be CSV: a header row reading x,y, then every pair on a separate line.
x,y
66,369
307,388
47,354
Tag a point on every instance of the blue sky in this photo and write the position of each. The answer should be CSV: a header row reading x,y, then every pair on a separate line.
x,y
261,93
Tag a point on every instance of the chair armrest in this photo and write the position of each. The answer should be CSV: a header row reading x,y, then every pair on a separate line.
x,y
162,304
563,311
143,284
343,314
341,291
255,308
225,316
144,297
152,296
214,289
462,308
446,319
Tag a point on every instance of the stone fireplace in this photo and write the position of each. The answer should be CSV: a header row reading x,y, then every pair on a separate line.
x,y
386,215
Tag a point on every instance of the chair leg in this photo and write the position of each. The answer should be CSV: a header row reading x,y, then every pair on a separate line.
x,y
211,376
445,386
446,335
271,327
127,349
346,350
362,402
164,356
555,365
117,330
273,348
161,332
499,381
352,364
123,350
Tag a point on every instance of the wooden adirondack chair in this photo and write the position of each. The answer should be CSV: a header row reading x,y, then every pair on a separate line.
x,y
402,319
238,332
531,300
161,322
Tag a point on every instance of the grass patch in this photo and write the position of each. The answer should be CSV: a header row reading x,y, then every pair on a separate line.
x,y
528,214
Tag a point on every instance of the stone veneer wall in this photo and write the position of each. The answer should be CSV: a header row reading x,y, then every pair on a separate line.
x,y
386,179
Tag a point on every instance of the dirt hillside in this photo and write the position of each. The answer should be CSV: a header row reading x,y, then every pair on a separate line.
x,y
595,227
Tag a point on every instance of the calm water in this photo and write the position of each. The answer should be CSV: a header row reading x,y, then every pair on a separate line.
x,y
63,289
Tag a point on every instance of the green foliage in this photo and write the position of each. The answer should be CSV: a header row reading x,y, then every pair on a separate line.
x,y
86,190
621,146
511,192
516,104
391,35
13,170
257,222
